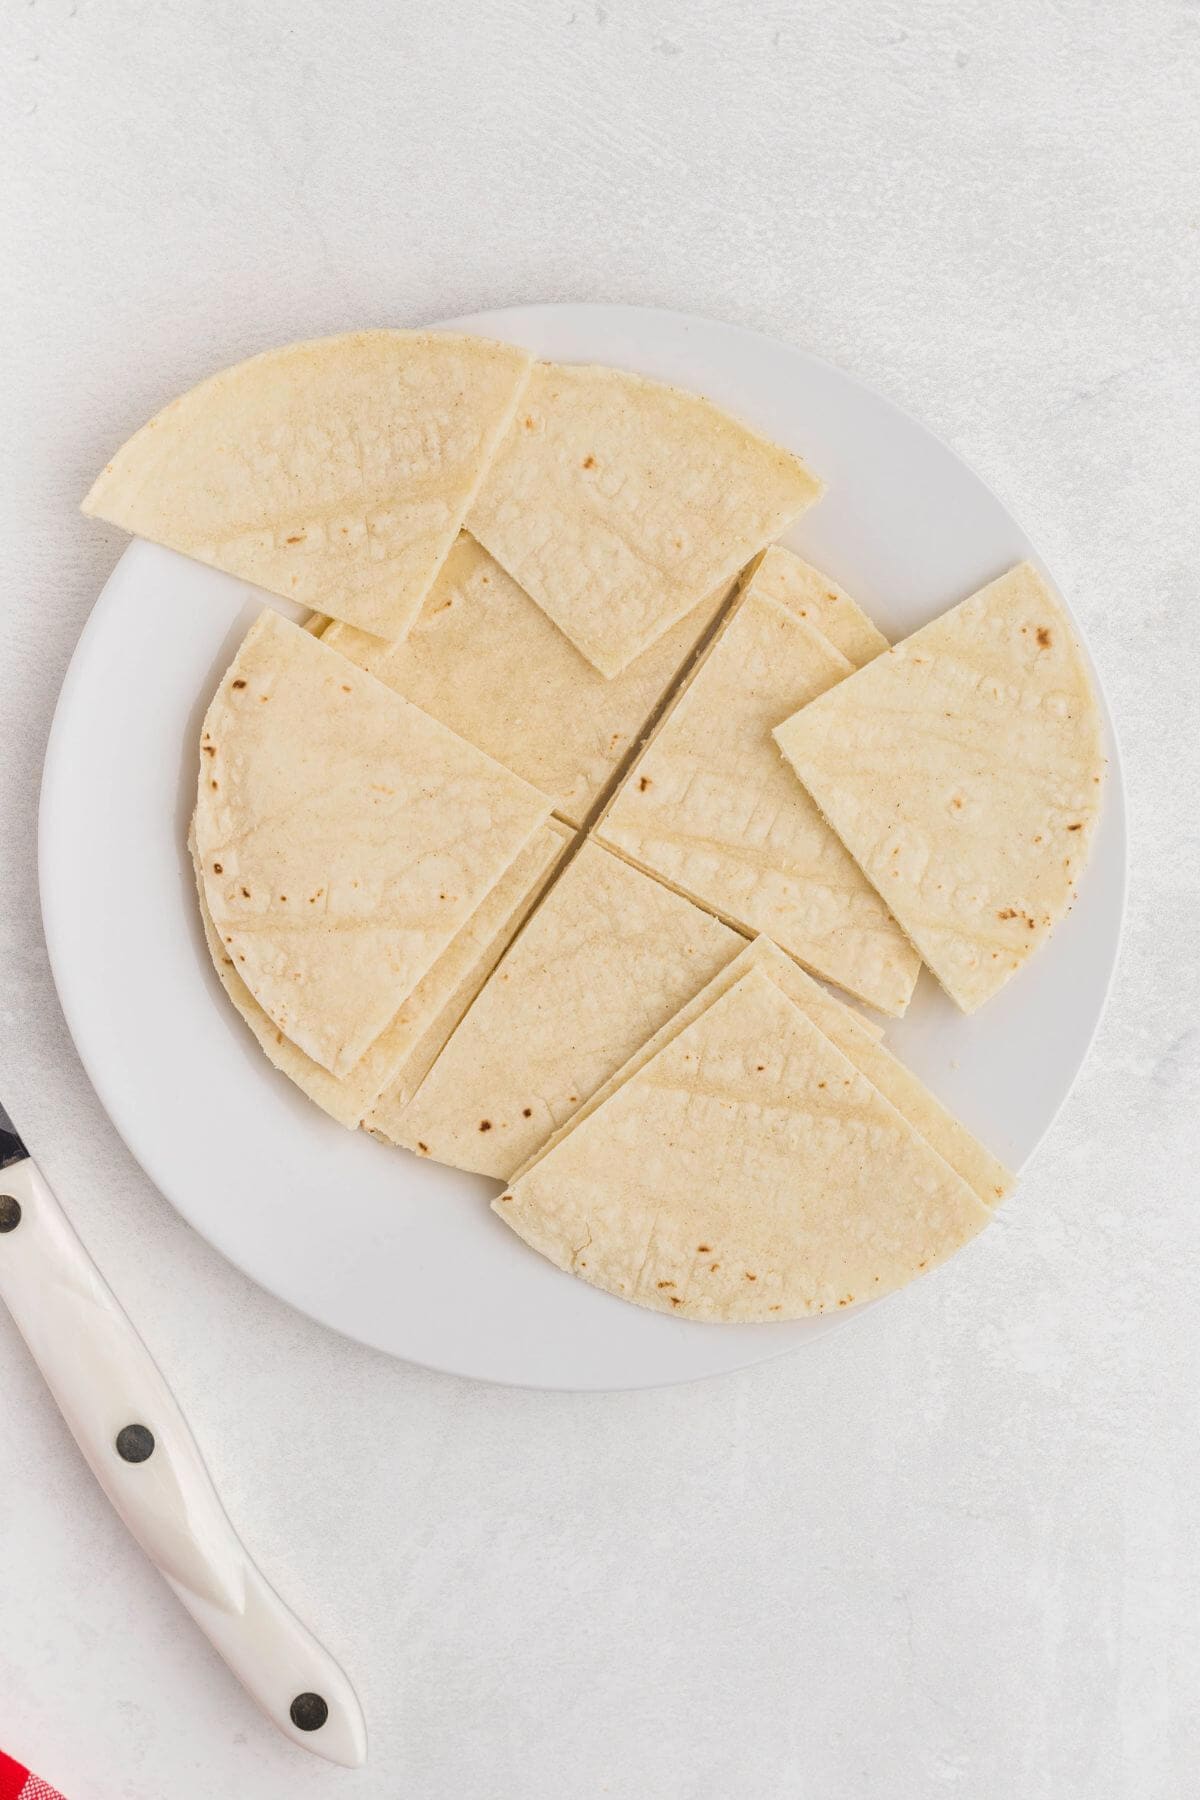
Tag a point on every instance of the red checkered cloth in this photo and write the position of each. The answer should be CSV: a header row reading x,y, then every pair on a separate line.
x,y
16,1783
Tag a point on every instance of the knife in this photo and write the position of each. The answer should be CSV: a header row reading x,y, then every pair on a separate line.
x,y
138,1445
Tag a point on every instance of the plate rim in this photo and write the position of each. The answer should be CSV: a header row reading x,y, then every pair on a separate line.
x,y
1116,798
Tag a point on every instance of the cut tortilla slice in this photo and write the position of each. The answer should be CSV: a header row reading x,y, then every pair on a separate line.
x,y
336,472
487,661
608,957
747,1172
344,837
783,576
404,1051
711,807
619,503
856,1037
963,772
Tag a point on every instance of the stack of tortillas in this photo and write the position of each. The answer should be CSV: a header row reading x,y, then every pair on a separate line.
x,y
519,853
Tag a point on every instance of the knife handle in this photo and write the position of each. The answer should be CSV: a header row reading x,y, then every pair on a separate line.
x,y
138,1445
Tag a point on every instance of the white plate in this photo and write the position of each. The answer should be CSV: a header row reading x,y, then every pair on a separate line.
x,y
379,1244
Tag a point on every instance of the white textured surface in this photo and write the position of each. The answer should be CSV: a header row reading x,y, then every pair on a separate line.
x,y
951,1551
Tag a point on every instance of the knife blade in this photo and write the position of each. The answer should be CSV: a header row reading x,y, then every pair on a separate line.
x,y
138,1445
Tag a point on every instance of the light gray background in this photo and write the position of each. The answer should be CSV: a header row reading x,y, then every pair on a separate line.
x,y
953,1550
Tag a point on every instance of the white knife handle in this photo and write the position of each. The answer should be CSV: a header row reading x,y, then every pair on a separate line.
x,y
125,1420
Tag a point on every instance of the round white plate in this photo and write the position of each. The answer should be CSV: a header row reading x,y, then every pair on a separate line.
x,y
380,1244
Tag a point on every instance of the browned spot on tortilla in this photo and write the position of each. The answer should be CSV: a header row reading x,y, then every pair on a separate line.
x,y
218,868
666,1284
750,1277
424,1149
702,1249
239,683
1043,637
210,749
775,1308
213,784
1009,912
713,1267
643,784
589,462
245,893
298,539
346,687
528,423
675,1300
1078,827
485,1124
820,1084
527,1112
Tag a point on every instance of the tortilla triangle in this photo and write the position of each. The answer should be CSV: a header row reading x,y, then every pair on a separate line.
x,y
747,1172
711,807
618,503
786,578
406,1048
344,838
335,472
962,771
856,1036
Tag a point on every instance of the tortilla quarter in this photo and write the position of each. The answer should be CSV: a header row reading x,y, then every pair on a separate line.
x,y
335,472
963,772
747,1172
618,503
344,838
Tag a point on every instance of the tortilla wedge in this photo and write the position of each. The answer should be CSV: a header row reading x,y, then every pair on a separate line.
x,y
608,957
962,771
711,807
856,1037
785,577
485,660
747,1172
404,1051
344,838
335,472
619,503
